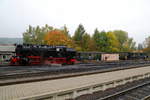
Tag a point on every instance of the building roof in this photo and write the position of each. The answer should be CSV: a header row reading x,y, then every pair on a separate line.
x,y
7,48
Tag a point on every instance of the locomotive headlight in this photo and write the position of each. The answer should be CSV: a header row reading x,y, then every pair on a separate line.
x,y
57,49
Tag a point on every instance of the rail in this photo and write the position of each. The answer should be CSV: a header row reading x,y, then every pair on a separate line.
x,y
73,87
90,89
42,76
125,91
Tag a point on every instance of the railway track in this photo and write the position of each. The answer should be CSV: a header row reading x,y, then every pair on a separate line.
x,y
15,75
137,90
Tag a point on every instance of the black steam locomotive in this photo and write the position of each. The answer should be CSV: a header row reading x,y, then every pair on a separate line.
x,y
28,54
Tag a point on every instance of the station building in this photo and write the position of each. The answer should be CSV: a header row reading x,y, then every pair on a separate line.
x,y
6,52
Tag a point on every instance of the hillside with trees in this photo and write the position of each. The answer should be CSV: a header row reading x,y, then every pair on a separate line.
x,y
11,40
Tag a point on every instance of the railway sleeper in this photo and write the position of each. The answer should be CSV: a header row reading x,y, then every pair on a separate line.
x,y
133,95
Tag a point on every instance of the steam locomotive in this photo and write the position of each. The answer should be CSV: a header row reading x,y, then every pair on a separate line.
x,y
27,54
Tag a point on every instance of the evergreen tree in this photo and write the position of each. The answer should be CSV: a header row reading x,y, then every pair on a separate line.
x,y
96,39
86,39
80,31
65,31
78,36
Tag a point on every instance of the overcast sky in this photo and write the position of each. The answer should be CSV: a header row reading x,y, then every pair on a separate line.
x,y
132,16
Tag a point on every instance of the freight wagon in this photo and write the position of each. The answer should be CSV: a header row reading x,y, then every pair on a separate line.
x,y
98,56
104,56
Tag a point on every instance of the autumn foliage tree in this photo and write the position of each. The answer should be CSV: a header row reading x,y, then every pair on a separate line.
x,y
113,45
57,37
111,41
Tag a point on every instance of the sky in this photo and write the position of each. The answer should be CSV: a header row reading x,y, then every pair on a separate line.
x,y
132,16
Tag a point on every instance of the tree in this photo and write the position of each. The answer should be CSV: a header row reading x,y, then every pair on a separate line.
x,y
146,45
103,42
65,31
57,37
131,44
96,39
80,31
28,35
92,45
86,39
112,42
78,36
122,38
35,35
47,28
140,46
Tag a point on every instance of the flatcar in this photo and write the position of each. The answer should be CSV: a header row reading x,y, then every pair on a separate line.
x,y
27,54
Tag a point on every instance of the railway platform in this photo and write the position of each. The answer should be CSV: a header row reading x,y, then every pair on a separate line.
x,y
72,87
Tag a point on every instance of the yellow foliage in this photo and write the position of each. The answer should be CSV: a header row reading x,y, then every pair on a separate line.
x,y
77,48
57,37
113,42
